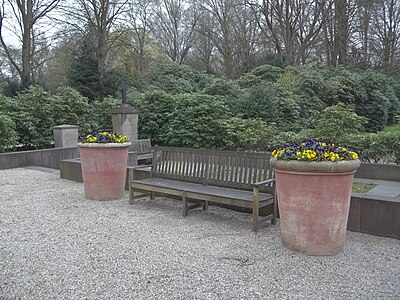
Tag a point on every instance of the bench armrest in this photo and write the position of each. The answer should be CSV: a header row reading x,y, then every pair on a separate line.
x,y
265,182
132,169
139,167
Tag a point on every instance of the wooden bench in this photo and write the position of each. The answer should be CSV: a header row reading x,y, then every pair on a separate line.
x,y
143,149
241,179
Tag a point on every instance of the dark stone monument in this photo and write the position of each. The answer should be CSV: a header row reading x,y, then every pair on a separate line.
x,y
123,89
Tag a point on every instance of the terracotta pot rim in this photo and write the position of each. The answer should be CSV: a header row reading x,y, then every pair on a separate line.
x,y
104,145
343,166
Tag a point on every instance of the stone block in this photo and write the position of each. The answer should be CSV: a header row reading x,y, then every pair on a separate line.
x,y
71,169
65,136
125,121
353,223
380,217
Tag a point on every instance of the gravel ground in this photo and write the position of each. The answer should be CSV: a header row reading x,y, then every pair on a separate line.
x,y
55,244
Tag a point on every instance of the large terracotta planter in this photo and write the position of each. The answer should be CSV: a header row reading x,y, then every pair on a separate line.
x,y
314,202
104,169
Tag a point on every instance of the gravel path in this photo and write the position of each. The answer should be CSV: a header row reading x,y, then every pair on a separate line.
x,y
54,244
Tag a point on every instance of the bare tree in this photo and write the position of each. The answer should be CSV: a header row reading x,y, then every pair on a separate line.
x,y
229,33
24,16
173,26
246,36
203,46
341,30
387,34
290,27
99,16
139,18
361,39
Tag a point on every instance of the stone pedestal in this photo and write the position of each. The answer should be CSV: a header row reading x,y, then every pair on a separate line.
x,y
125,121
65,136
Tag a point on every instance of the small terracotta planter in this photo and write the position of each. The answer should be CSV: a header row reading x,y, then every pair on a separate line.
x,y
314,202
104,169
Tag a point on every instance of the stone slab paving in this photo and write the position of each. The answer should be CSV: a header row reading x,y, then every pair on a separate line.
x,y
390,189
55,244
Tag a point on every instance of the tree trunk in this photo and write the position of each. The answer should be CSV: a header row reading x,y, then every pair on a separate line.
x,y
27,17
341,32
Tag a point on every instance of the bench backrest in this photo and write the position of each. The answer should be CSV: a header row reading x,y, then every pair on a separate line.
x,y
141,146
212,167
180,164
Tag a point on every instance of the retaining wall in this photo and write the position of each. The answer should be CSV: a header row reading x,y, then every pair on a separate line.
x,y
48,158
379,171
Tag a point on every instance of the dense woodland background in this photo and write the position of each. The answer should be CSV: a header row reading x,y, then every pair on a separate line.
x,y
230,74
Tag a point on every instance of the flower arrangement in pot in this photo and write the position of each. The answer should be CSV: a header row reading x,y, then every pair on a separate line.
x,y
313,183
104,157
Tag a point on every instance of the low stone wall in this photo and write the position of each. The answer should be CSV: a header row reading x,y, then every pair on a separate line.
x,y
48,158
374,215
379,171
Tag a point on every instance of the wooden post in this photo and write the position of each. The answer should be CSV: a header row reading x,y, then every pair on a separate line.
x,y
185,211
256,194
131,192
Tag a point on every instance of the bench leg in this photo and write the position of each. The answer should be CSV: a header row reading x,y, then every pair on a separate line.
x,y
131,194
256,195
273,221
185,208
205,205
130,188
151,195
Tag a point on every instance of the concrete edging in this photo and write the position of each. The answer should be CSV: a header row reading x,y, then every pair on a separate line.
x,y
390,172
48,158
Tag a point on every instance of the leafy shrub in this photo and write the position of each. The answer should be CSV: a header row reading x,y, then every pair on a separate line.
x,y
227,91
7,104
272,104
321,87
155,110
288,109
8,135
380,99
288,80
311,83
195,122
33,118
378,147
11,87
101,114
70,107
341,85
335,122
222,87
175,79
267,73
394,106
248,80
247,134
287,137
259,103
376,109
